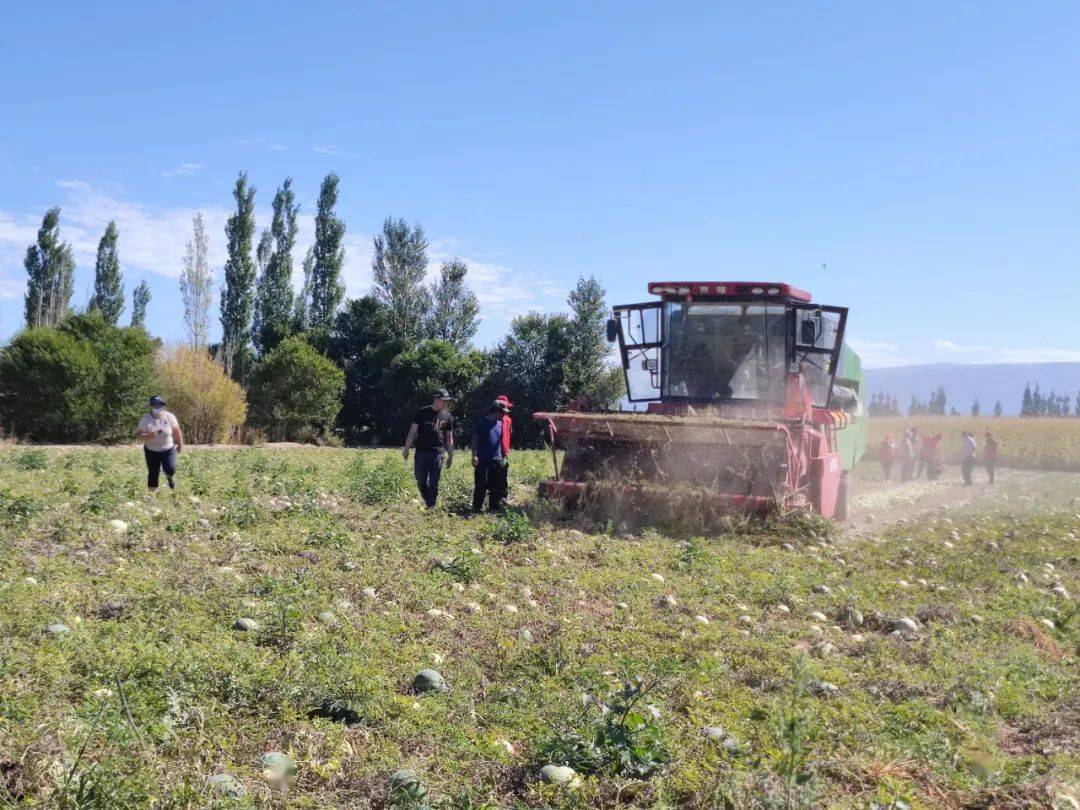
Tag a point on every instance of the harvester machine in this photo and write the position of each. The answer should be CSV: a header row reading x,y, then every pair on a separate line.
x,y
741,397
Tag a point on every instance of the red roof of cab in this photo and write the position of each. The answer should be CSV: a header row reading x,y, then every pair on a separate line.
x,y
728,288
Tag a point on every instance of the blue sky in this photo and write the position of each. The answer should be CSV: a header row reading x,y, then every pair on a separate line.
x,y
916,162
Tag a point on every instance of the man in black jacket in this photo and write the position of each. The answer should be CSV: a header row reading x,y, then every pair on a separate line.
x,y
431,434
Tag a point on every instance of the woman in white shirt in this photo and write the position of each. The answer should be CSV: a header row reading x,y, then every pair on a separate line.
x,y
162,439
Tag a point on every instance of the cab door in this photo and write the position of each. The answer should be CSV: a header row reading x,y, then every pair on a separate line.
x,y
640,332
816,335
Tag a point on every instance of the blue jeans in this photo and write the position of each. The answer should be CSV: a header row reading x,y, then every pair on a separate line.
x,y
427,466
158,460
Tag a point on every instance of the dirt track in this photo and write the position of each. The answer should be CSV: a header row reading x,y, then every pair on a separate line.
x,y
878,503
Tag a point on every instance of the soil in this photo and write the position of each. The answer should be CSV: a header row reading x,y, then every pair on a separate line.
x,y
879,503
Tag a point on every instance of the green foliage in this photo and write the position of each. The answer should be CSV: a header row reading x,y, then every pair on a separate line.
x,y
455,312
238,292
274,294
140,300
32,460
364,344
399,266
50,384
126,359
618,736
586,370
513,526
381,483
295,392
415,373
792,726
328,257
108,297
50,274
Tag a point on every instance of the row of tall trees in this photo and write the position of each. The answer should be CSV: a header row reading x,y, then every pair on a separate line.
x,y
50,278
310,361
1035,403
882,404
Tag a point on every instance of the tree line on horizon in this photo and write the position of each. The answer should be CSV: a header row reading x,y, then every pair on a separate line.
x,y
304,364
1033,404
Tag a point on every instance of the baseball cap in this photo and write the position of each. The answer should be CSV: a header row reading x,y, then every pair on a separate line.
x,y
499,405
156,400
442,393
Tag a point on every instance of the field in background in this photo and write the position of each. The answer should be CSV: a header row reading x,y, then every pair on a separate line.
x,y
124,683
1032,444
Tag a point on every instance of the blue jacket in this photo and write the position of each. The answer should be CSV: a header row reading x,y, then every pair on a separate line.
x,y
487,439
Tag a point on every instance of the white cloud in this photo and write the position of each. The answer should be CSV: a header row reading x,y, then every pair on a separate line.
x,y
273,146
947,345
153,240
503,292
331,149
183,168
878,354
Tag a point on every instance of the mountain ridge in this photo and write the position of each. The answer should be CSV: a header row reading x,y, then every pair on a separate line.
x,y
966,382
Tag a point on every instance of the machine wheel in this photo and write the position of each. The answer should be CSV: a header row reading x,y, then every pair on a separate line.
x,y
843,497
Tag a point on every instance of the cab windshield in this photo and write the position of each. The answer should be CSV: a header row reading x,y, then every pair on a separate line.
x,y
718,351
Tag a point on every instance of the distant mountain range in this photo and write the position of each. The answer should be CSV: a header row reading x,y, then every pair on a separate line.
x,y
963,384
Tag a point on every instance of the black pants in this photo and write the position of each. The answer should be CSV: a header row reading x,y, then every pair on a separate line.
x,y
427,467
489,479
158,460
886,467
966,467
991,464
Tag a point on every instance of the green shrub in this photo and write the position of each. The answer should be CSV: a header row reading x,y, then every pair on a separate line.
x,y
619,736
84,381
49,386
295,392
512,527
128,377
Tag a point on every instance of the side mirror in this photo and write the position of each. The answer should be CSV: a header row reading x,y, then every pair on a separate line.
x,y
808,332
612,330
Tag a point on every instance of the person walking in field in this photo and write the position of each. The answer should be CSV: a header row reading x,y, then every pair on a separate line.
x,y
990,454
431,434
887,451
490,464
907,453
926,455
162,439
935,464
967,455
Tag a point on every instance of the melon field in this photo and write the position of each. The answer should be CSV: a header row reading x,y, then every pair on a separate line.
x,y
291,629
1033,444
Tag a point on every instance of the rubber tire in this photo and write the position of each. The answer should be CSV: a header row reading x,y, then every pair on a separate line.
x,y
843,497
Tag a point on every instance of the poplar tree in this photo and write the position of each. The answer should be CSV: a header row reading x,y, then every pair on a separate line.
x,y
238,292
195,286
302,306
328,258
108,298
275,293
399,266
50,274
455,312
587,371
140,298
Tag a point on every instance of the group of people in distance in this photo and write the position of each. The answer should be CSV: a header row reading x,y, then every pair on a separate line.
x,y
431,439
928,456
